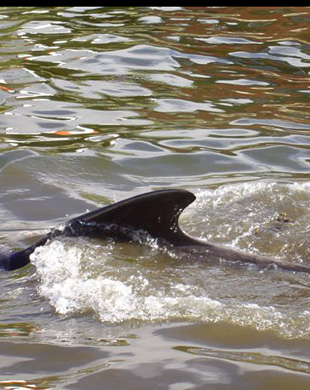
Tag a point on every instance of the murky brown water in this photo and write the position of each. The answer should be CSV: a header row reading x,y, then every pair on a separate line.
x,y
99,104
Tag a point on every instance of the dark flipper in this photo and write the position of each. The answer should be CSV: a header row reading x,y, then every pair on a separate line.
x,y
155,212
19,259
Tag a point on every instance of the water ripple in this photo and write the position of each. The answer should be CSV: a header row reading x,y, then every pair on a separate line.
x,y
101,103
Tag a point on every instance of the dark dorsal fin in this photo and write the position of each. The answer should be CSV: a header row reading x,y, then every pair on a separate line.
x,y
155,212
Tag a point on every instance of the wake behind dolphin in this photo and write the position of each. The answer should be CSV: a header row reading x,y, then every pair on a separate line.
x,y
155,214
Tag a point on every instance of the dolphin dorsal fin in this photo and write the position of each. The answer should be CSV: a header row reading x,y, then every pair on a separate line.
x,y
156,213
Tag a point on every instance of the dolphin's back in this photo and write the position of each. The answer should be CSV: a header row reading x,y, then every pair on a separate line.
x,y
155,214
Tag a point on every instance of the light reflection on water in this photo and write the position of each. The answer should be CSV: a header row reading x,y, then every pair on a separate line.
x,y
101,103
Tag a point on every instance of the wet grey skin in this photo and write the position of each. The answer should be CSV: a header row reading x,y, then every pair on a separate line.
x,y
156,215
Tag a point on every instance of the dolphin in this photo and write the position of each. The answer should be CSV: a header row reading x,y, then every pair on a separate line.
x,y
155,214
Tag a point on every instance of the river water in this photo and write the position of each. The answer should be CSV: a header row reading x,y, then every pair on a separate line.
x,y
99,104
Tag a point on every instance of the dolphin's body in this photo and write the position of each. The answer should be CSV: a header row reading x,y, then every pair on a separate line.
x,y
155,213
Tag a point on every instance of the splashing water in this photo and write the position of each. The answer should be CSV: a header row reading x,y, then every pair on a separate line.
x,y
130,282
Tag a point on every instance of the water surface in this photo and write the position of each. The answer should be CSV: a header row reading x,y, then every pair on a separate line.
x,y
102,103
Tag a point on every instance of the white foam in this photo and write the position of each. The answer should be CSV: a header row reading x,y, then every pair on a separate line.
x,y
69,290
